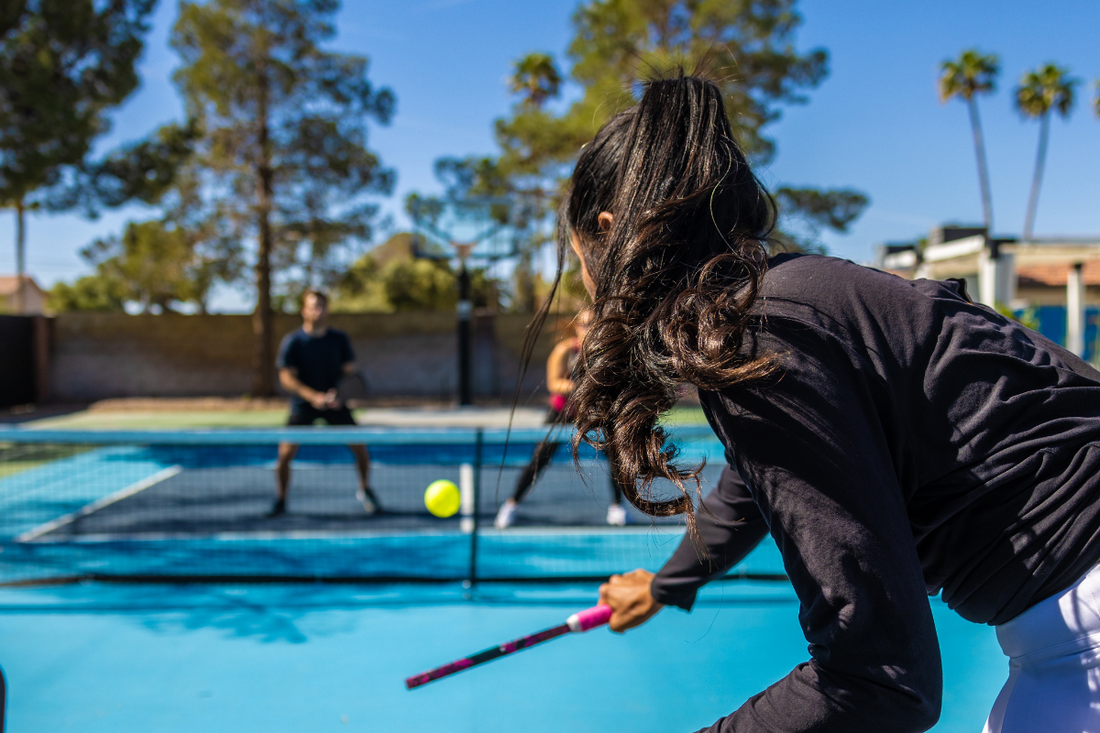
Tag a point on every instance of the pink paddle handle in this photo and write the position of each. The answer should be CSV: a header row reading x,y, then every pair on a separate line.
x,y
589,618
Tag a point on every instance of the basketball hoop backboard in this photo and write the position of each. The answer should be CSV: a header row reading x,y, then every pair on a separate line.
x,y
480,229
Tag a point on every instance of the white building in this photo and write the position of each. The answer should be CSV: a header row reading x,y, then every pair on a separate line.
x,y
1008,273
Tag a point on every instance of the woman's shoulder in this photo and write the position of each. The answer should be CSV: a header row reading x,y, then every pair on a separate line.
x,y
839,288
792,275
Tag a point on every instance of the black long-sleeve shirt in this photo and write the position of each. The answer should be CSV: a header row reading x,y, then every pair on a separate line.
x,y
910,443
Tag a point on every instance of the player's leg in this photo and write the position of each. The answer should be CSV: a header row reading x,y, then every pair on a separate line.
x,y
299,416
540,459
287,451
362,464
616,513
343,417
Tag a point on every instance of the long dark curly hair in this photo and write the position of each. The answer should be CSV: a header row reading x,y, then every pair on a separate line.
x,y
676,270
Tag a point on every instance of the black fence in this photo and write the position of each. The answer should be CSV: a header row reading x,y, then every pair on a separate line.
x,y
17,361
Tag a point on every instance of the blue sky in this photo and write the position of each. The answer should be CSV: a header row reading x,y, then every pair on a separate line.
x,y
875,124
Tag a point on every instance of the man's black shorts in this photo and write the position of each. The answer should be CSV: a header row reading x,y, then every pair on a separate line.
x,y
306,414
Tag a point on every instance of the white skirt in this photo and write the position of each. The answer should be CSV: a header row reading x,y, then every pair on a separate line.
x,y
1054,665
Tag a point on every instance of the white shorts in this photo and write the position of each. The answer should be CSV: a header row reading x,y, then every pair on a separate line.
x,y
1054,665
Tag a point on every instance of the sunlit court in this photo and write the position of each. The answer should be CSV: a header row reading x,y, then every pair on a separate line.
x,y
193,610
571,365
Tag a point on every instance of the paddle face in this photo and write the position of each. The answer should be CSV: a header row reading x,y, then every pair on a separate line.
x,y
352,387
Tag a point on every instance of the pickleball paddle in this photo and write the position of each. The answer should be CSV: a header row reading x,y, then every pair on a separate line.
x,y
353,387
587,619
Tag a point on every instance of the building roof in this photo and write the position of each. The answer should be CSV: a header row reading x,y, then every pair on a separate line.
x,y
961,257
10,283
1056,275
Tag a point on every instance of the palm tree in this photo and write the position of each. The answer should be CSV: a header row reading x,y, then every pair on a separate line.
x,y
1096,101
1040,91
972,74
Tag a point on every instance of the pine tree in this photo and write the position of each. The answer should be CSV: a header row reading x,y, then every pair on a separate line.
x,y
284,139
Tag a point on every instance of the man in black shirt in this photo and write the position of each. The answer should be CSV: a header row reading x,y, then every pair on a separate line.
x,y
311,362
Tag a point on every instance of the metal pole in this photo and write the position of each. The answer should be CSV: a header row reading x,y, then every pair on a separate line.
x,y
465,311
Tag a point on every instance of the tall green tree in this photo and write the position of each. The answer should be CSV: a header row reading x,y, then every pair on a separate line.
x,y
284,137
967,77
1048,88
63,65
747,46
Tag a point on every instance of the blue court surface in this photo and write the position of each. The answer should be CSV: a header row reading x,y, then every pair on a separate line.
x,y
117,657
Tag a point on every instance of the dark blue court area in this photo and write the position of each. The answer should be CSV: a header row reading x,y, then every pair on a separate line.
x,y
195,505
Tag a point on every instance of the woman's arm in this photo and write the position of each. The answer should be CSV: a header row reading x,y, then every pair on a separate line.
x,y
558,378
730,526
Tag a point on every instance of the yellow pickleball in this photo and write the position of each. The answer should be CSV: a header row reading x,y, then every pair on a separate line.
x,y
442,498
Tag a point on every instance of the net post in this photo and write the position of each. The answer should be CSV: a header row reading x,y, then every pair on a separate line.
x,y
472,580
468,504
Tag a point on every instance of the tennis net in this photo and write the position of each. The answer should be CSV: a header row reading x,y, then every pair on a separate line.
x,y
194,505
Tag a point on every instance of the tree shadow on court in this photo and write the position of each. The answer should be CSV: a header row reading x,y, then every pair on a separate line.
x,y
275,613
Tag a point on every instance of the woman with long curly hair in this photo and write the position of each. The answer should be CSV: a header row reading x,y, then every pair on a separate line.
x,y
895,439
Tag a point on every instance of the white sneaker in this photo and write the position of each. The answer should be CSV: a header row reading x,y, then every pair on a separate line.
x,y
368,505
616,515
505,515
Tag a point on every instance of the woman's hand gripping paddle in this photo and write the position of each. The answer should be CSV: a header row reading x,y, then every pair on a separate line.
x,y
588,619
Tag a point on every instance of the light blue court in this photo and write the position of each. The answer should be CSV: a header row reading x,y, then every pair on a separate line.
x,y
270,658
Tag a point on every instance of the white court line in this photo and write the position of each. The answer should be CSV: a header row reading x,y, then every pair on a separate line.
x,y
252,536
95,506
351,534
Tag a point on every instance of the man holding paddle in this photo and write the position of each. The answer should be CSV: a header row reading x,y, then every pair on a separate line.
x,y
317,366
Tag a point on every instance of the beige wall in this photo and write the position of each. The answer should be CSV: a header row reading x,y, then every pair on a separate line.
x,y
100,355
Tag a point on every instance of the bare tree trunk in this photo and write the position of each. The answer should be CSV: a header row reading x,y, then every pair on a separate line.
x,y
1037,178
262,320
20,259
983,168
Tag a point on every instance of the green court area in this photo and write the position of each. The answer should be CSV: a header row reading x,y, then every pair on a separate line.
x,y
250,417
16,458
162,420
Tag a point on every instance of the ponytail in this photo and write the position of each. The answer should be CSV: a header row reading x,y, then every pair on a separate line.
x,y
676,274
